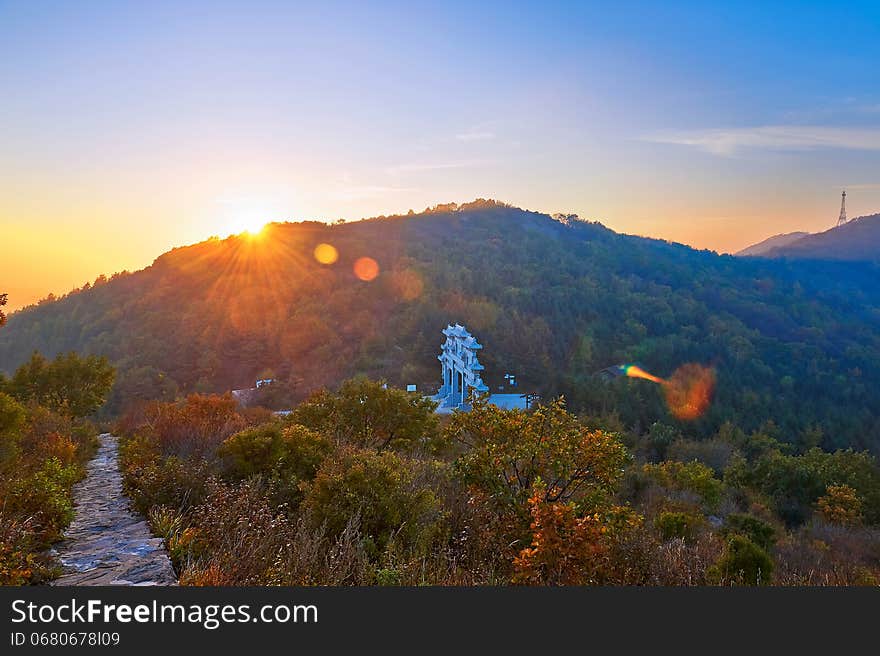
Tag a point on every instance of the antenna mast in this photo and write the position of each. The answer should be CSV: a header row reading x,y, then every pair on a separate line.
x,y
842,218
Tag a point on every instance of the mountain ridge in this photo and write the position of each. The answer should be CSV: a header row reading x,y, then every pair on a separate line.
x,y
858,239
552,299
770,243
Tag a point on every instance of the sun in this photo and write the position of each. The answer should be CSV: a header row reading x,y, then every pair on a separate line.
x,y
246,225
252,226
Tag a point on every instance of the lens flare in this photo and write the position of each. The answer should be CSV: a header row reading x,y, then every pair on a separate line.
x,y
408,284
326,254
633,371
688,390
366,268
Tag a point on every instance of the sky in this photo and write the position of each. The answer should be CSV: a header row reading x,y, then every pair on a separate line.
x,y
129,128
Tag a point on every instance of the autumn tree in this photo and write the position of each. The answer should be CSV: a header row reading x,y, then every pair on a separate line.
x,y
370,414
568,547
2,314
841,505
508,451
69,384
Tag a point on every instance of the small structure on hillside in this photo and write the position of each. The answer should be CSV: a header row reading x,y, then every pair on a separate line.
x,y
610,373
461,374
460,367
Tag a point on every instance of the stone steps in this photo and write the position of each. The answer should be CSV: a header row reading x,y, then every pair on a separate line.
x,y
107,543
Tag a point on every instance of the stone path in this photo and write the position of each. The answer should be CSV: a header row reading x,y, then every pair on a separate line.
x,y
107,543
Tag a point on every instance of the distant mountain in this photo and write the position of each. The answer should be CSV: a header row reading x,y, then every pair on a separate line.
x,y
777,241
858,239
552,300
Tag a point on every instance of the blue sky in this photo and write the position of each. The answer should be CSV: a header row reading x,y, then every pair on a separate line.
x,y
127,128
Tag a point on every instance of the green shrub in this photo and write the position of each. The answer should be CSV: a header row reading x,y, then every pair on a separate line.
x,y
12,419
673,525
273,449
691,476
755,529
383,491
151,479
371,414
45,495
743,563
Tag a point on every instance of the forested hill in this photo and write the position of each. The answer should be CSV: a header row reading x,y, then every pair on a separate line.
x,y
777,241
857,240
551,299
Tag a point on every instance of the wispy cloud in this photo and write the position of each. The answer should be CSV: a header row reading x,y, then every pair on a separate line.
x,y
728,141
433,166
475,135
363,192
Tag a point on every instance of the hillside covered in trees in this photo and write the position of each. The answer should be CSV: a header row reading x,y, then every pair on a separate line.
x,y
857,240
553,299
776,241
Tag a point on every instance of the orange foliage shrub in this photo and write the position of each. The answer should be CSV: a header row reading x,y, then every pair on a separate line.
x,y
841,505
194,426
568,549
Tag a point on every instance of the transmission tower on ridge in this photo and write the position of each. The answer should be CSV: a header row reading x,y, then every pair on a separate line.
x,y
842,218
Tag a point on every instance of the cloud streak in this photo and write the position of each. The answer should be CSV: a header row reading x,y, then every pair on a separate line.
x,y
729,141
365,192
433,166
475,135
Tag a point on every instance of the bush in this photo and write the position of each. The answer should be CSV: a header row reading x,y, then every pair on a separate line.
x,y
273,449
12,419
508,451
383,491
237,537
692,477
569,548
151,479
755,529
715,453
370,414
743,563
45,495
794,484
673,525
194,427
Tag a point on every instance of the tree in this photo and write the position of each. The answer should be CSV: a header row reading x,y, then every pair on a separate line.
x,y
370,414
841,505
2,314
794,484
508,451
69,384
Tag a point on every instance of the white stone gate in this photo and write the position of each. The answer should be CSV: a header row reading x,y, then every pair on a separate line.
x,y
460,367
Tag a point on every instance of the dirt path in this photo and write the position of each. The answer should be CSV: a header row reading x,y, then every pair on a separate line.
x,y
108,543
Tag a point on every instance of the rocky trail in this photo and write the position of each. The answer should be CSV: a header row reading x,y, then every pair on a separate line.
x,y
107,543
